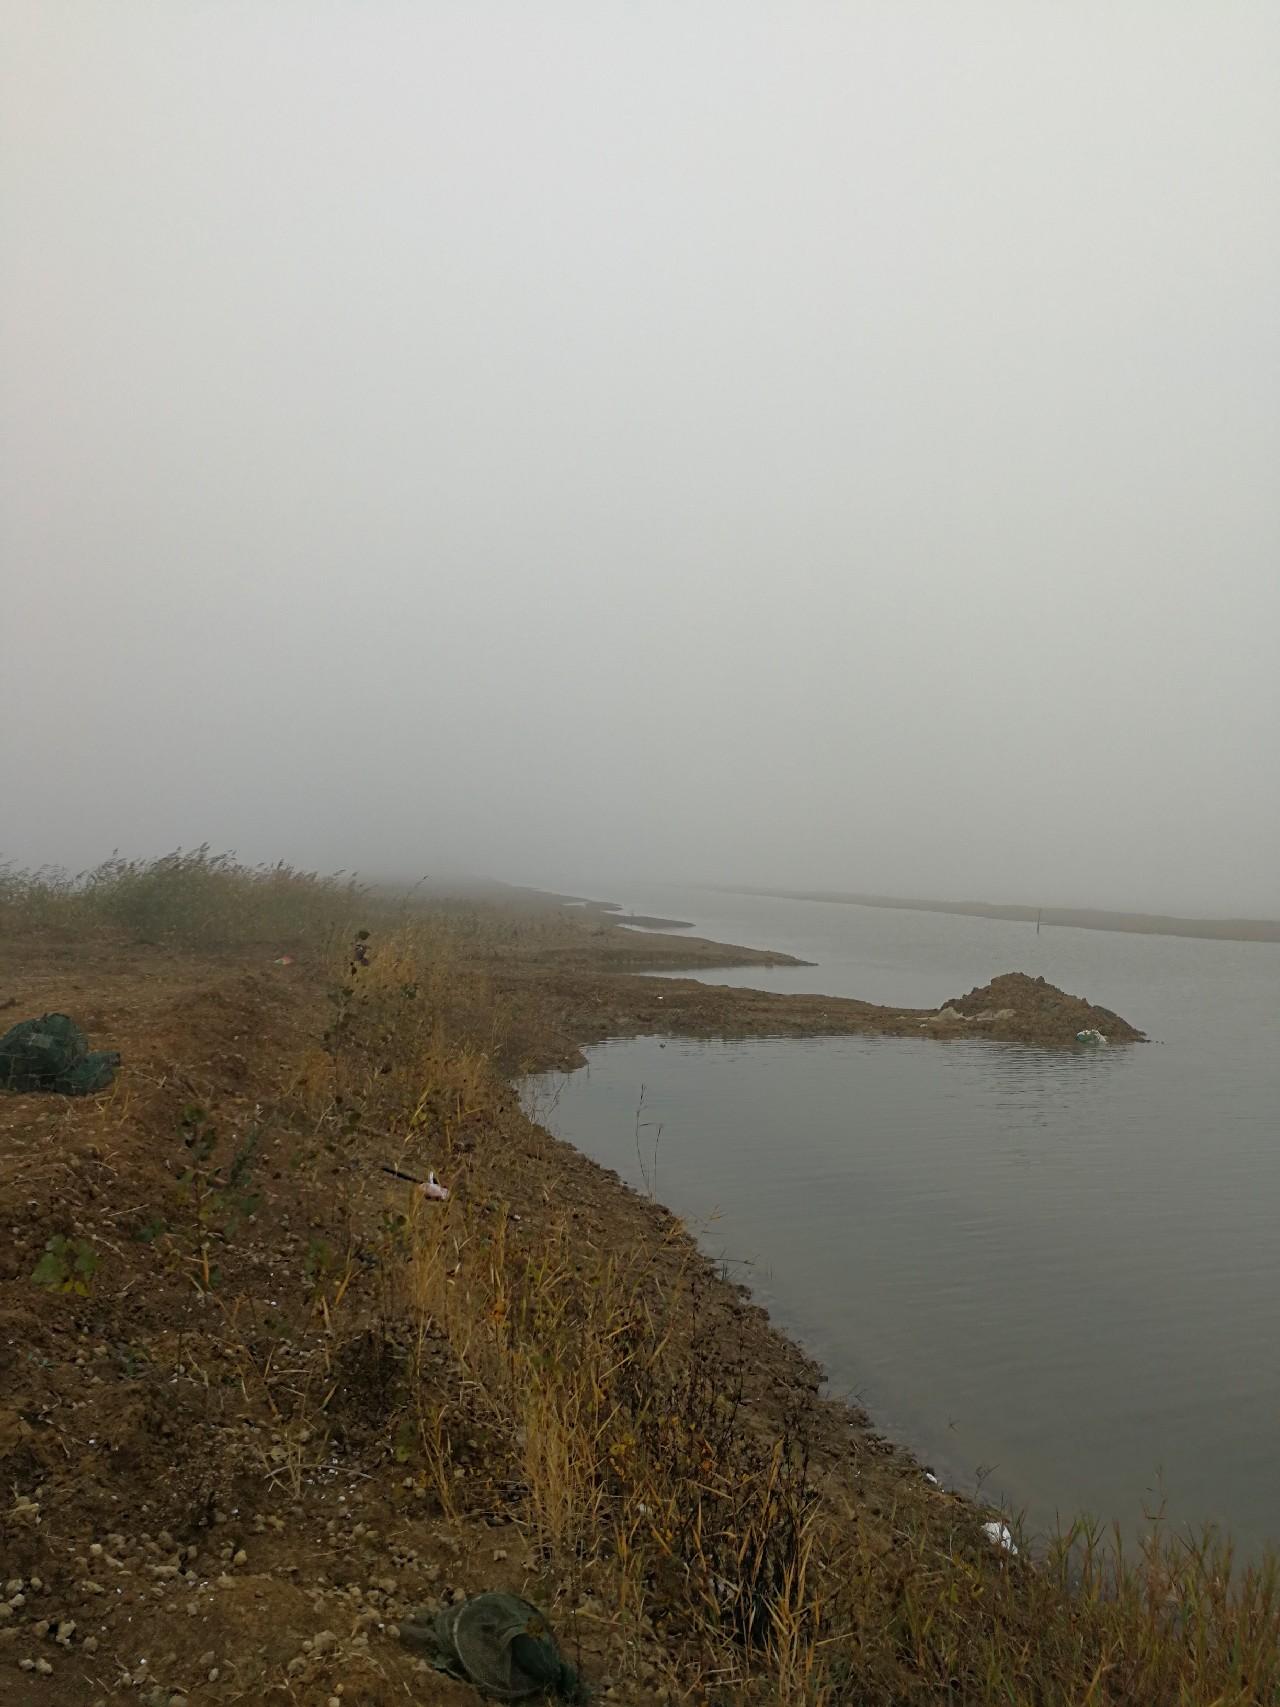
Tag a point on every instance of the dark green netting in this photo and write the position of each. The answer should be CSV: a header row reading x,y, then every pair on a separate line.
x,y
52,1054
498,1642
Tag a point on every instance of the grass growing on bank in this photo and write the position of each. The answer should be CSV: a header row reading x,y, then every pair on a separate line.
x,y
502,1355
196,897
203,899
698,1519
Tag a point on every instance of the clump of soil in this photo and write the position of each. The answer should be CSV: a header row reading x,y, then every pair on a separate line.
x,y
1035,1010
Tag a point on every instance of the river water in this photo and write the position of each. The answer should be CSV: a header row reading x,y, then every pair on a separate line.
x,y
1055,1275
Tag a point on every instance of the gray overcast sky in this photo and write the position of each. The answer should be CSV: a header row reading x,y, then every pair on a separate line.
x,y
796,443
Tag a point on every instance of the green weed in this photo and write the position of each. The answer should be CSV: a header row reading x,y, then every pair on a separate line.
x,y
68,1265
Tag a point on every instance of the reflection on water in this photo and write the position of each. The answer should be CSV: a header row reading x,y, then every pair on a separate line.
x,y
1060,1269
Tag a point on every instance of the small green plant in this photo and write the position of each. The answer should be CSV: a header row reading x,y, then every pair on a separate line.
x,y
148,1231
219,1200
222,1200
320,1262
68,1265
404,1444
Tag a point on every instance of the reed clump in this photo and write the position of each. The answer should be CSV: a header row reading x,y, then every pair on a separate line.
x,y
196,898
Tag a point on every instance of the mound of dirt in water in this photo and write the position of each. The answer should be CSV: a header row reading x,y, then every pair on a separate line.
x,y
1038,1011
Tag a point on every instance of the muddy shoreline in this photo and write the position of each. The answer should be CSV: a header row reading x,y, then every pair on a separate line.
x,y
594,980
175,1440
1077,918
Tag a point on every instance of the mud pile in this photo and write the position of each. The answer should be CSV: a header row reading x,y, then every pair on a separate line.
x,y
1033,1009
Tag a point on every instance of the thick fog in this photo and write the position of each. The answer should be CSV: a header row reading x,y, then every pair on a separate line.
x,y
797,444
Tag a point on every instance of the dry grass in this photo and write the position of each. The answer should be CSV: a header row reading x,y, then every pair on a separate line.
x,y
641,1470
197,898
499,1353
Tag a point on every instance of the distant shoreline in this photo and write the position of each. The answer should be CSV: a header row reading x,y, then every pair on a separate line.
x,y
1080,918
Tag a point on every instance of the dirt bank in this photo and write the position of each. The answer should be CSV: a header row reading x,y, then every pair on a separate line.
x,y
263,1400
585,985
218,1485
1031,1010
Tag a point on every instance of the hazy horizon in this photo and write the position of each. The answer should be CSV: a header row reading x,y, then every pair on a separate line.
x,y
803,447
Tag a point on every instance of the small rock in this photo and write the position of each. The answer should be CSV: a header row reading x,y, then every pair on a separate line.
x,y
44,1668
240,1557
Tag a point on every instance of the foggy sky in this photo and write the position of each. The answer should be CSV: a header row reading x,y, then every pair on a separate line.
x,y
803,444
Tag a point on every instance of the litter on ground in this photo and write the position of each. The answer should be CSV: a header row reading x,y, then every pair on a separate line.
x,y
498,1642
52,1054
429,1187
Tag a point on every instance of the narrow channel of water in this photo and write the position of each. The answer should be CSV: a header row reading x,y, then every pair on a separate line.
x,y
1055,1272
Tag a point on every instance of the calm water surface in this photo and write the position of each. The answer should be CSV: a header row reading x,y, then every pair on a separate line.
x,y
1055,1272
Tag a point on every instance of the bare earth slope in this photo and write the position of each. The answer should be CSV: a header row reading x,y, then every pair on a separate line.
x,y
257,1401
